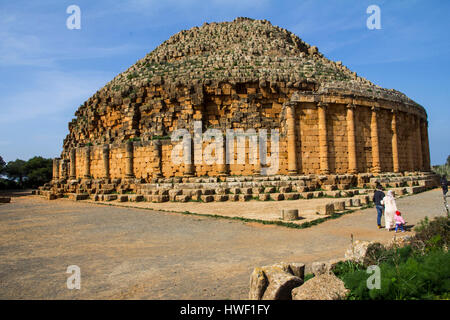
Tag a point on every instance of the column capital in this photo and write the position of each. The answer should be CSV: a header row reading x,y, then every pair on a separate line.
x,y
374,108
351,106
323,105
291,104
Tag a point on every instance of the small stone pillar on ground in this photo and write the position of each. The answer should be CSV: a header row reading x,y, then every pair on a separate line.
x,y
289,214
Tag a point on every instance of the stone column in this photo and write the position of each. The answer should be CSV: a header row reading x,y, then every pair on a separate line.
x,y
291,140
376,167
223,167
419,145
87,167
352,162
56,169
190,165
395,162
63,166
410,142
157,150
425,146
105,156
129,172
73,169
323,138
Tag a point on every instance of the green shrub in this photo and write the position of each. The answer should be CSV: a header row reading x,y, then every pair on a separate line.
x,y
414,277
344,267
431,235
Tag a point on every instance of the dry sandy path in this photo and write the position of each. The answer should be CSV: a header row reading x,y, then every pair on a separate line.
x,y
143,254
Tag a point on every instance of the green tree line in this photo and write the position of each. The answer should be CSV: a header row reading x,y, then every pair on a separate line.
x,y
20,174
443,169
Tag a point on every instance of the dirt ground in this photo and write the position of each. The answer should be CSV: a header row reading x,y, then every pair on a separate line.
x,y
131,253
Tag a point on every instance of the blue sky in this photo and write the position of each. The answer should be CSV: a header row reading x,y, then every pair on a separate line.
x,y
47,70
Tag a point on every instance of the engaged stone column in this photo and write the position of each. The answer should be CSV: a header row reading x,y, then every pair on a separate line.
x,y
425,146
395,163
73,170
419,145
129,172
376,168
222,167
323,139
291,140
190,165
87,168
410,142
352,162
55,169
63,169
157,150
105,156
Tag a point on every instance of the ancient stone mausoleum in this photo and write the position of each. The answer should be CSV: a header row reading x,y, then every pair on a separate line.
x,y
245,74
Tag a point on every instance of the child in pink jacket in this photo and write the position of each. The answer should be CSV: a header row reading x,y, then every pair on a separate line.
x,y
399,221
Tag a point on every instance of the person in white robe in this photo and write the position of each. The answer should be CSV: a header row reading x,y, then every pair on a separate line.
x,y
389,210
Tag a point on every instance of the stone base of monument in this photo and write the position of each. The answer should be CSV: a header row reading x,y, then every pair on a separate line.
x,y
244,188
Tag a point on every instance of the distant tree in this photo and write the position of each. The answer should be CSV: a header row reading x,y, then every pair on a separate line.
x,y
448,160
15,170
2,164
38,171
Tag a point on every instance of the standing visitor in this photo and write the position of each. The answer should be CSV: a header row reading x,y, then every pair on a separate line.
x,y
377,198
444,184
399,222
390,207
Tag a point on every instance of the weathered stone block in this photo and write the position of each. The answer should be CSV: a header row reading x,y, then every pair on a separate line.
x,y
339,205
245,197
291,196
322,287
207,198
78,196
135,197
277,196
220,197
325,209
